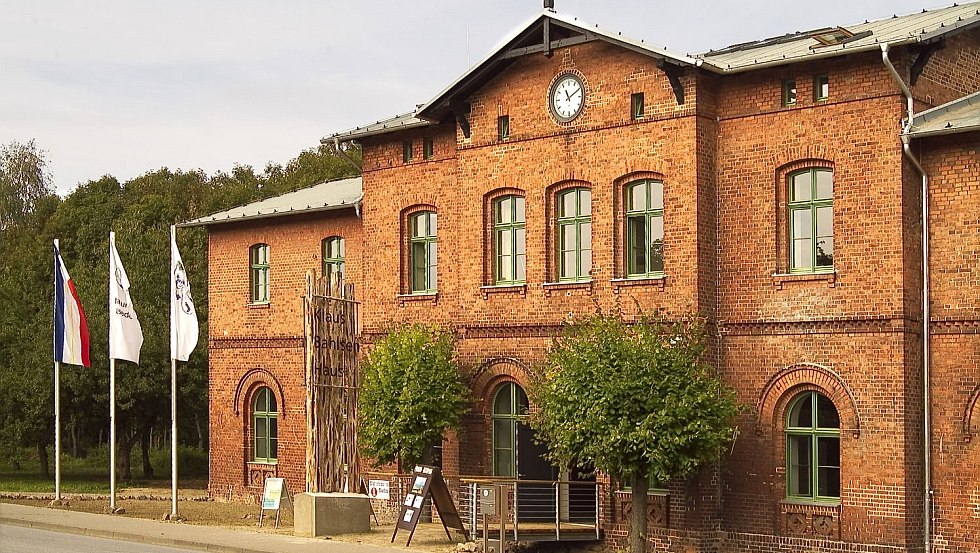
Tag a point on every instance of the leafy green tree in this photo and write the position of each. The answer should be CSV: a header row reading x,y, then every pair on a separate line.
x,y
24,179
637,400
410,394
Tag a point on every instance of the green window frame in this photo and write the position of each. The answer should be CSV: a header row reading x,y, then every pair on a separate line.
x,y
423,252
811,220
407,151
510,408
259,273
636,106
503,127
265,426
821,88
789,92
813,470
509,240
645,229
574,235
332,251
428,148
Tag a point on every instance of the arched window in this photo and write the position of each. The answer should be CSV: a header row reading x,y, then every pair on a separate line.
x,y
575,234
645,228
423,253
259,272
332,254
811,220
265,426
510,406
509,248
813,448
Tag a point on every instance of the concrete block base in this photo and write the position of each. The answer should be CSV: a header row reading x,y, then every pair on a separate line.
x,y
329,514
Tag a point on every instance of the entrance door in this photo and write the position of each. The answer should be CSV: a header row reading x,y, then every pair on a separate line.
x,y
517,456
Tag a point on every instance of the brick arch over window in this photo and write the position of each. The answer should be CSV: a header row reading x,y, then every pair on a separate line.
x,y
972,406
619,215
253,379
785,384
494,372
782,198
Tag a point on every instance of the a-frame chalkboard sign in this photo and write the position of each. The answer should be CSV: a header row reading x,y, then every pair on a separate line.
x,y
428,481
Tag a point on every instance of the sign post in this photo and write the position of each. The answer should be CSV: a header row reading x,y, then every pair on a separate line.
x,y
272,497
428,481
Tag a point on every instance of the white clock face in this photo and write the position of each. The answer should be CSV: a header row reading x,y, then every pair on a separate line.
x,y
567,98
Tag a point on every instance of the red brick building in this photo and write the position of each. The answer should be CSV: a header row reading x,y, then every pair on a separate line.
x,y
773,187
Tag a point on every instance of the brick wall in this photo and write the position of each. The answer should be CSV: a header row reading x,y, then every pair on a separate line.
x,y
252,346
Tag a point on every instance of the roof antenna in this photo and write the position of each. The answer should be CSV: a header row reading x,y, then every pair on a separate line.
x,y
549,5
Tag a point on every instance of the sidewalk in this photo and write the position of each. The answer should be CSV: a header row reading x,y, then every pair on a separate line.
x,y
171,534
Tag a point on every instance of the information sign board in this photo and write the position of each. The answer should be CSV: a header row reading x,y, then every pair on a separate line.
x,y
428,481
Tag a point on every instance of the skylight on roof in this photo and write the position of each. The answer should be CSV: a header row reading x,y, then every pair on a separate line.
x,y
830,37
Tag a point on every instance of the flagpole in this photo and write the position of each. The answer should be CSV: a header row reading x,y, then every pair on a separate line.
x,y
57,430
112,435
173,435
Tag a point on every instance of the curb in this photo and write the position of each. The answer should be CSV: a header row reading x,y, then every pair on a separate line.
x,y
125,536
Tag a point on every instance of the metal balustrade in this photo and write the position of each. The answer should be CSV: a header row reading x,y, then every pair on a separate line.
x,y
536,510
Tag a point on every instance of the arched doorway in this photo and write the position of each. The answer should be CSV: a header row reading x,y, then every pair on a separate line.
x,y
515,453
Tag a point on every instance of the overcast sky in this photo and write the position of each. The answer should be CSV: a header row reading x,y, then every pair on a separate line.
x,y
129,86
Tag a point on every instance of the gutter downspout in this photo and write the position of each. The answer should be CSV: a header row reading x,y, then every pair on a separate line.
x,y
926,311
350,161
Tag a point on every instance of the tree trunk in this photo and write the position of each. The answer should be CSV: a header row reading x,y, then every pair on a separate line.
x,y
200,435
42,457
125,456
145,450
638,517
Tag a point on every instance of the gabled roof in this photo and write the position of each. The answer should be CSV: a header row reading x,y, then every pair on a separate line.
x,y
961,115
922,27
925,27
545,32
326,196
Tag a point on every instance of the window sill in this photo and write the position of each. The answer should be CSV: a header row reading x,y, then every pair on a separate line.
x,y
260,305
652,493
503,288
779,279
264,463
816,503
656,281
552,287
416,297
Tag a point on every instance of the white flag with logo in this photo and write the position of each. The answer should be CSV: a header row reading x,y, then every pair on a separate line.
x,y
183,316
125,334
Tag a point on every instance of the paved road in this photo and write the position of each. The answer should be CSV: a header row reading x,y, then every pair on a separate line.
x,y
17,539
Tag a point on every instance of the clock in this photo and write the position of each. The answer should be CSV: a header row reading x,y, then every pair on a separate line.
x,y
566,97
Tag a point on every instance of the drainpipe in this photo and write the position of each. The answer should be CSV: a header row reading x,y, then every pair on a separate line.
x,y
926,311
350,161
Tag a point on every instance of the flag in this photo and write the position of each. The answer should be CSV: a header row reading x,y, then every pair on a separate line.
x,y
183,316
125,334
71,339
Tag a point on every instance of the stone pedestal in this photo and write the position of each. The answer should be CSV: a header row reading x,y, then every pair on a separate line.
x,y
328,514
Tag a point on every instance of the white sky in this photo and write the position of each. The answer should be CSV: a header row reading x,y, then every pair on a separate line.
x,y
128,86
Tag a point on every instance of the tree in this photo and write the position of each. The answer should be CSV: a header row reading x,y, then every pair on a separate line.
x,y
637,400
410,394
24,179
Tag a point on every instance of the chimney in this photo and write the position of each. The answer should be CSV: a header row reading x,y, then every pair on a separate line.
x,y
549,5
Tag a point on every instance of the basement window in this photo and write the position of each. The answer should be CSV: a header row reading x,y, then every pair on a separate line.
x,y
789,92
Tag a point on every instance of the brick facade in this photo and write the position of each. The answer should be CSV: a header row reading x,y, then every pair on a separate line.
x,y
853,334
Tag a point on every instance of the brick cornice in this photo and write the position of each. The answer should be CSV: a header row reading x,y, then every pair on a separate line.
x,y
834,325
255,342
954,326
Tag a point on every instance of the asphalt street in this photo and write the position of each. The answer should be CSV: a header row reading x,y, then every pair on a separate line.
x,y
18,539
